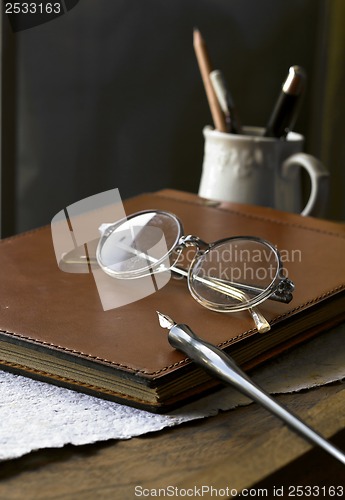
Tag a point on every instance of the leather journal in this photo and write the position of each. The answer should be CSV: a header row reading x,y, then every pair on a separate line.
x,y
53,326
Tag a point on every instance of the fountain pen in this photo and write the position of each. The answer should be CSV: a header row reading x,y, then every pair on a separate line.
x,y
223,367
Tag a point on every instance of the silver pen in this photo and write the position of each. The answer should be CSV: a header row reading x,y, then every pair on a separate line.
x,y
222,366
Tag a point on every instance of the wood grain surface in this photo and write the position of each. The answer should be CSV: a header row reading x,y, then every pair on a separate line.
x,y
242,448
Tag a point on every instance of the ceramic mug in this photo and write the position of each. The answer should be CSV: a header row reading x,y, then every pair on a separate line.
x,y
250,168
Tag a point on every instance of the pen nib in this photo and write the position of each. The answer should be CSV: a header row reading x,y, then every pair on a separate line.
x,y
165,321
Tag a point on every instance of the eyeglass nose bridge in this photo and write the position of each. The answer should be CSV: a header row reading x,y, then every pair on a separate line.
x,y
193,241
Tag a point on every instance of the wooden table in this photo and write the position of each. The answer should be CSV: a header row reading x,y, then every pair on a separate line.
x,y
242,448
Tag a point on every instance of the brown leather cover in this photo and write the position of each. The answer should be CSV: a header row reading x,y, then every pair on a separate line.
x,y
60,313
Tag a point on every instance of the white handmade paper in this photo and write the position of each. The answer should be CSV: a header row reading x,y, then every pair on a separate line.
x,y
35,415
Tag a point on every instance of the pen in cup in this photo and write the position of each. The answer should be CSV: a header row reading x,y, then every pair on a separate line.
x,y
226,101
223,367
285,111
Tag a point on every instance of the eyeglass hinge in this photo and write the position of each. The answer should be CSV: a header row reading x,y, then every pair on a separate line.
x,y
192,241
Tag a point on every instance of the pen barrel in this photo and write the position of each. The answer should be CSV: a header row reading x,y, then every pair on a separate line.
x,y
222,366
260,396
283,116
206,355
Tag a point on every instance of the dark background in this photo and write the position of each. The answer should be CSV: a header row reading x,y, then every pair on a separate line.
x,y
109,95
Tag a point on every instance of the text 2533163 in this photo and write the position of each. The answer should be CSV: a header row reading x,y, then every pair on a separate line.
x,y
316,491
32,7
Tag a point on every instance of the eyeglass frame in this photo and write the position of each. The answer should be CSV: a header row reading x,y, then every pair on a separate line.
x,y
280,288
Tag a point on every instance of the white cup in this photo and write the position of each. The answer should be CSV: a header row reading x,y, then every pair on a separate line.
x,y
250,168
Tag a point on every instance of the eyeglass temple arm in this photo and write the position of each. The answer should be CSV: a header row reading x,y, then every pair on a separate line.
x,y
260,321
283,292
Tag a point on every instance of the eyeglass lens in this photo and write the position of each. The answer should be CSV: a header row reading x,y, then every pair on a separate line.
x,y
139,245
234,274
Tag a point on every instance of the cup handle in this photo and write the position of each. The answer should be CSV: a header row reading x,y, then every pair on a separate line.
x,y
319,178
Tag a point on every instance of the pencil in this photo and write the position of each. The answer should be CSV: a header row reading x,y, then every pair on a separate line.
x,y
205,68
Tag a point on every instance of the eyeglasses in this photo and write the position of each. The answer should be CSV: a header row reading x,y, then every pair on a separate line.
x,y
228,275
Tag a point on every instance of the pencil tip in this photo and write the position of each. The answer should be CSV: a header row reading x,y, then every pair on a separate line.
x,y
197,34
